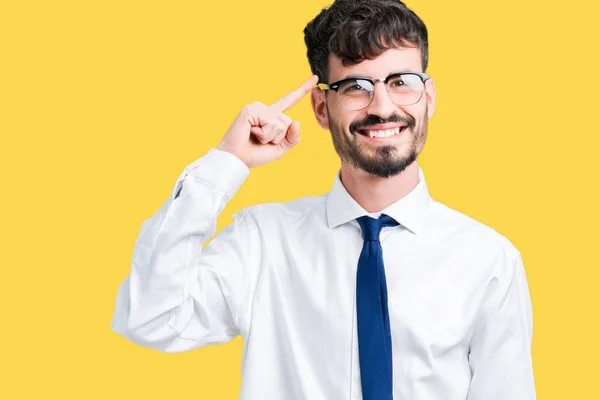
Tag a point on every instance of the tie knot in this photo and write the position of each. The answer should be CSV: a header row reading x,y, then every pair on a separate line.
x,y
371,227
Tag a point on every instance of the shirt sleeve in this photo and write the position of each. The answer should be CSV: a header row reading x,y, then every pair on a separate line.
x,y
500,349
179,296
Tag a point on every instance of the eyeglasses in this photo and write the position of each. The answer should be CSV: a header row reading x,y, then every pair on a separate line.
x,y
404,89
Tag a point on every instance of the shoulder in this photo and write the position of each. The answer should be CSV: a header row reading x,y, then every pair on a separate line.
x,y
285,211
469,233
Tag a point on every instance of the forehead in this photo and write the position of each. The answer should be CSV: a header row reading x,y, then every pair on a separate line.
x,y
390,61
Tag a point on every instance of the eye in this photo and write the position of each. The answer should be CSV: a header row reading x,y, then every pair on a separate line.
x,y
355,87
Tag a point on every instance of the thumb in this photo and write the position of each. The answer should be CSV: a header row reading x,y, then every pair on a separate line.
x,y
292,137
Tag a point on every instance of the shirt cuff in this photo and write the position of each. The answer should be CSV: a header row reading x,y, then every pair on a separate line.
x,y
221,169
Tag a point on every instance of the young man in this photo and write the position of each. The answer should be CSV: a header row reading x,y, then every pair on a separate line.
x,y
373,289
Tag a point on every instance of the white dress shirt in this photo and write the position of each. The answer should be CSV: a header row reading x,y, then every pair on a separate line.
x,y
283,275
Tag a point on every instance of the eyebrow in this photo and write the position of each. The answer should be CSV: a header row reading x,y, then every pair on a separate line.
x,y
403,71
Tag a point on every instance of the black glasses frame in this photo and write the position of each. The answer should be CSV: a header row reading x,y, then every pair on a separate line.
x,y
336,85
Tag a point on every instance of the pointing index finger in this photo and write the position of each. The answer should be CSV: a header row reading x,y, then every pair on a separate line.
x,y
292,98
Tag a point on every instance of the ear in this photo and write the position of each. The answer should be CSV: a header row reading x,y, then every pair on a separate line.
x,y
430,97
319,105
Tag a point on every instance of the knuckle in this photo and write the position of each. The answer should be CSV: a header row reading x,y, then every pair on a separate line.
x,y
282,126
279,139
284,122
269,130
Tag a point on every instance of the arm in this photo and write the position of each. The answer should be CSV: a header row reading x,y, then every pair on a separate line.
x,y
500,351
179,296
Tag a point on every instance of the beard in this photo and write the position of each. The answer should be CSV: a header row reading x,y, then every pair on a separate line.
x,y
380,160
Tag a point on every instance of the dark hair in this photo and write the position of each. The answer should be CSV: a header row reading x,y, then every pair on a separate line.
x,y
355,30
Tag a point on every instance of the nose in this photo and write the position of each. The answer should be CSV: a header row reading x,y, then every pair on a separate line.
x,y
381,105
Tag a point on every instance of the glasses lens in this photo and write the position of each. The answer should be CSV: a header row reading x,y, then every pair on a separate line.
x,y
405,89
355,94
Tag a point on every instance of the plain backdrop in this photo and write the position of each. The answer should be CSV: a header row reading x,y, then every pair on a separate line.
x,y
103,103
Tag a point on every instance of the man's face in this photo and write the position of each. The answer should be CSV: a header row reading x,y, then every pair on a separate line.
x,y
380,156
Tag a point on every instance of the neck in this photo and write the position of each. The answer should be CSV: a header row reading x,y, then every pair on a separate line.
x,y
374,193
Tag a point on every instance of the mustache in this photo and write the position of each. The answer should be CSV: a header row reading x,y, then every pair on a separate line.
x,y
375,119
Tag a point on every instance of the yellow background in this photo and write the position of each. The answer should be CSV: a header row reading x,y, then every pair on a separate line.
x,y
103,103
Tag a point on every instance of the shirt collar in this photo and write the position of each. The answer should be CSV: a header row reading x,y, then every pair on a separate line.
x,y
410,211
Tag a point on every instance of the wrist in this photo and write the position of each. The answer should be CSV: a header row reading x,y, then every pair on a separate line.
x,y
224,148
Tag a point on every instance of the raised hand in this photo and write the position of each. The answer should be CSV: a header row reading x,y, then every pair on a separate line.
x,y
261,134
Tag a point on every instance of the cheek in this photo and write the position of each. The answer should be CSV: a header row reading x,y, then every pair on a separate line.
x,y
340,121
353,118
418,112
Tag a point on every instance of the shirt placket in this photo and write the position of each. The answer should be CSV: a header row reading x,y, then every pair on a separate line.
x,y
356,389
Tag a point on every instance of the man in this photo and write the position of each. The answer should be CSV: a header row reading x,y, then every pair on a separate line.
x,y
373,289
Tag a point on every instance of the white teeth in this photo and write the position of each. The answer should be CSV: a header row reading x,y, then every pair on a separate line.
x,y
386,133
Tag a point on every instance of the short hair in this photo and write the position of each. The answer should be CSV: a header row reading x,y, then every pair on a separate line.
x,y
355,30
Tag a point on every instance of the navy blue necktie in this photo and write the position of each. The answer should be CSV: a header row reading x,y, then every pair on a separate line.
x,y
373,322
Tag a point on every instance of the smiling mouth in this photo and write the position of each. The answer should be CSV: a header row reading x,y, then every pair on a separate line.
x,y
373,133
